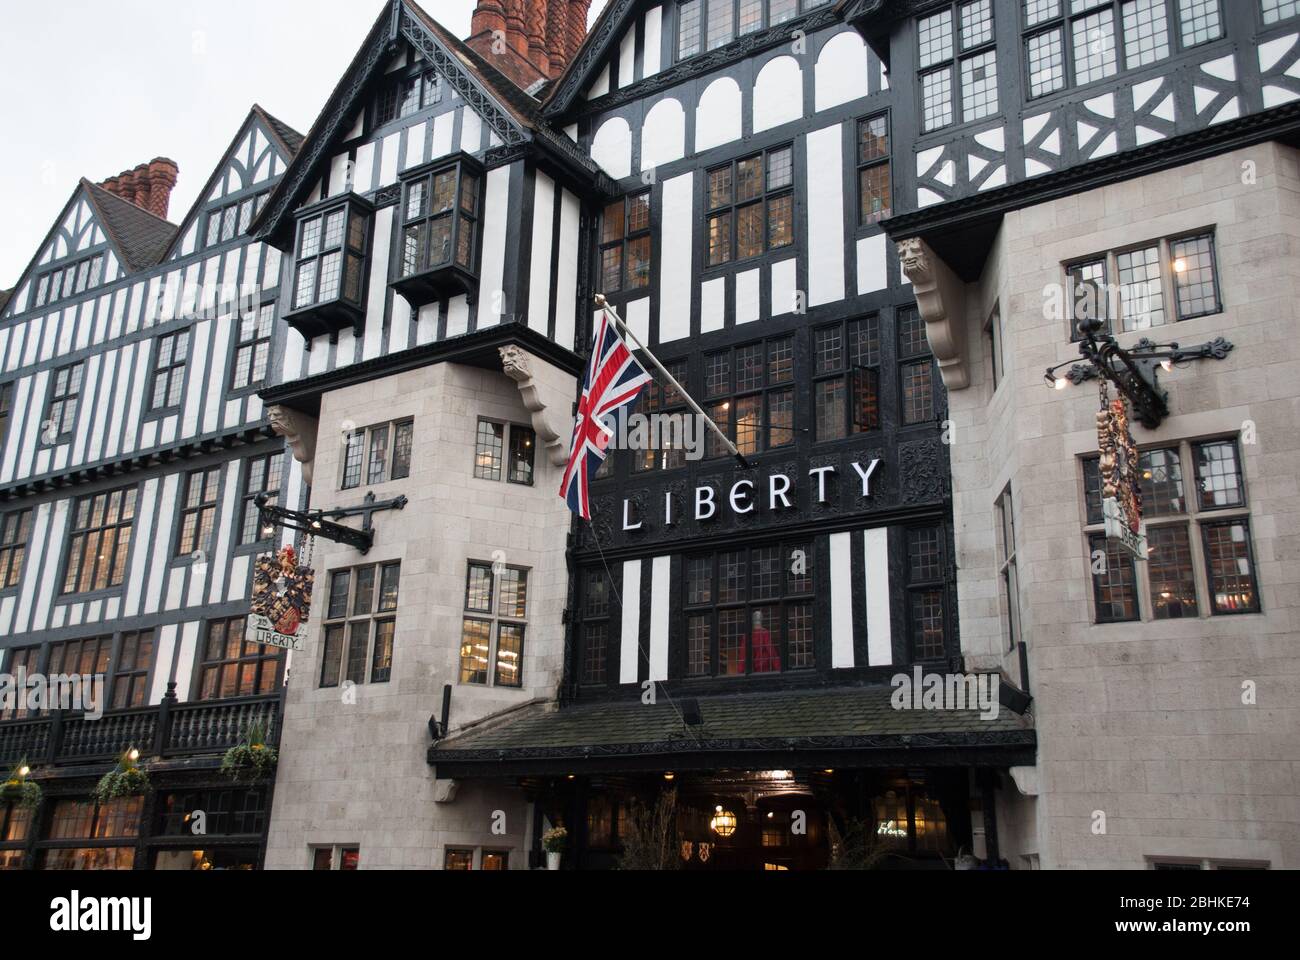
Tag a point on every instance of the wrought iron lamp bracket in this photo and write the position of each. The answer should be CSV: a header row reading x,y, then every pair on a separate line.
x,y
1134,371
318,523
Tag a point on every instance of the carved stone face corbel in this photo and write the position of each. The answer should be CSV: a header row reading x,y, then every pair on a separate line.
x,y
299,432
517,365
941,299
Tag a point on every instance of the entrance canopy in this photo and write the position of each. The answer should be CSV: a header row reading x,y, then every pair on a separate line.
x,y
841,728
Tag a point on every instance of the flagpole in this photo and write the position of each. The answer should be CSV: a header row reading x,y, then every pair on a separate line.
x,y
654,361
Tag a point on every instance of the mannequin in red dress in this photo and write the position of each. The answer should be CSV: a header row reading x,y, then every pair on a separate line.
x,y
766,657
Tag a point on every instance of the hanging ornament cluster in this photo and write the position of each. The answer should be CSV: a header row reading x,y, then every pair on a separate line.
x,y
281,599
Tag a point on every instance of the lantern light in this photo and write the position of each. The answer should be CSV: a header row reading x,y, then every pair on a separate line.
x,y
723,822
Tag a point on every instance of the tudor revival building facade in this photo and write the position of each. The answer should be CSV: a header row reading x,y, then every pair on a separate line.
x,y
842,227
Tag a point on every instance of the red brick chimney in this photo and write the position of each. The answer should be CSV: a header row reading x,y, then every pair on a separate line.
x,y
148,186
529,40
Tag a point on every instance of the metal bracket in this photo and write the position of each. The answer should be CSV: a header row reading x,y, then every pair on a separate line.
x,y
1134,372
317,522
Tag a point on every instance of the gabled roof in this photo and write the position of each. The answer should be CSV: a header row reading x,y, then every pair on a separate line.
x,y
507,111
137,237
4,297
140,237
287,140
607,30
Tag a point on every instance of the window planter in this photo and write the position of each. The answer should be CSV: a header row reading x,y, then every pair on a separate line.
x,y
127,779
251,761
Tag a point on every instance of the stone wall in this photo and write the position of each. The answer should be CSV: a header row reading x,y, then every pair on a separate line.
x,y
1143,722
355,773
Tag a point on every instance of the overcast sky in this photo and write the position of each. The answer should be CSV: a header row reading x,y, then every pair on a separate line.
x,y
89,88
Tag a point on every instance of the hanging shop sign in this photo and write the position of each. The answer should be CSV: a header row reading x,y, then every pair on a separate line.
x,y
1120,468
746,496
281,600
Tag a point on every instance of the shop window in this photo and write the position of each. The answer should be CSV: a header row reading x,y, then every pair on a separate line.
x,y
665,450
625,244
335,858
1075,42
235,666
909,821
749,612
596,629
226,813
875,190
493,440
360,624
458,859
378,454
958,62
493,628
927,593
751,206
846,371
15,529
1200,560
100,829
749,393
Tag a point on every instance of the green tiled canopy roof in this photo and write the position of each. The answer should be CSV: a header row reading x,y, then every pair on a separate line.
x,y
816,726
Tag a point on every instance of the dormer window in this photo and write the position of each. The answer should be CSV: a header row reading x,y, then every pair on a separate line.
x,y
330,250
438,255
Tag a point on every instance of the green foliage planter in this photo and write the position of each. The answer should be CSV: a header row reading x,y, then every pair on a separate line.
x,y
127,779
252,760
19,790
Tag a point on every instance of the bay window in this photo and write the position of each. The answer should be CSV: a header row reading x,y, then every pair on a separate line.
x,y
437,255
330,253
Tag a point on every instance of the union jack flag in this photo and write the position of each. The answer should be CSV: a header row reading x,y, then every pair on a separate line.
x,y
614,379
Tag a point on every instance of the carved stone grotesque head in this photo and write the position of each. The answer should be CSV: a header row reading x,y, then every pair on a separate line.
x,y
282,422
299,432
514,361
915,260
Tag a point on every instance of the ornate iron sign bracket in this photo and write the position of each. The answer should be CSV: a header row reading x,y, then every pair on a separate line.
x,y
317,523
1133,371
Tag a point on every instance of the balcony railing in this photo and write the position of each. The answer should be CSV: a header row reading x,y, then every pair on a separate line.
x,y
168,729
